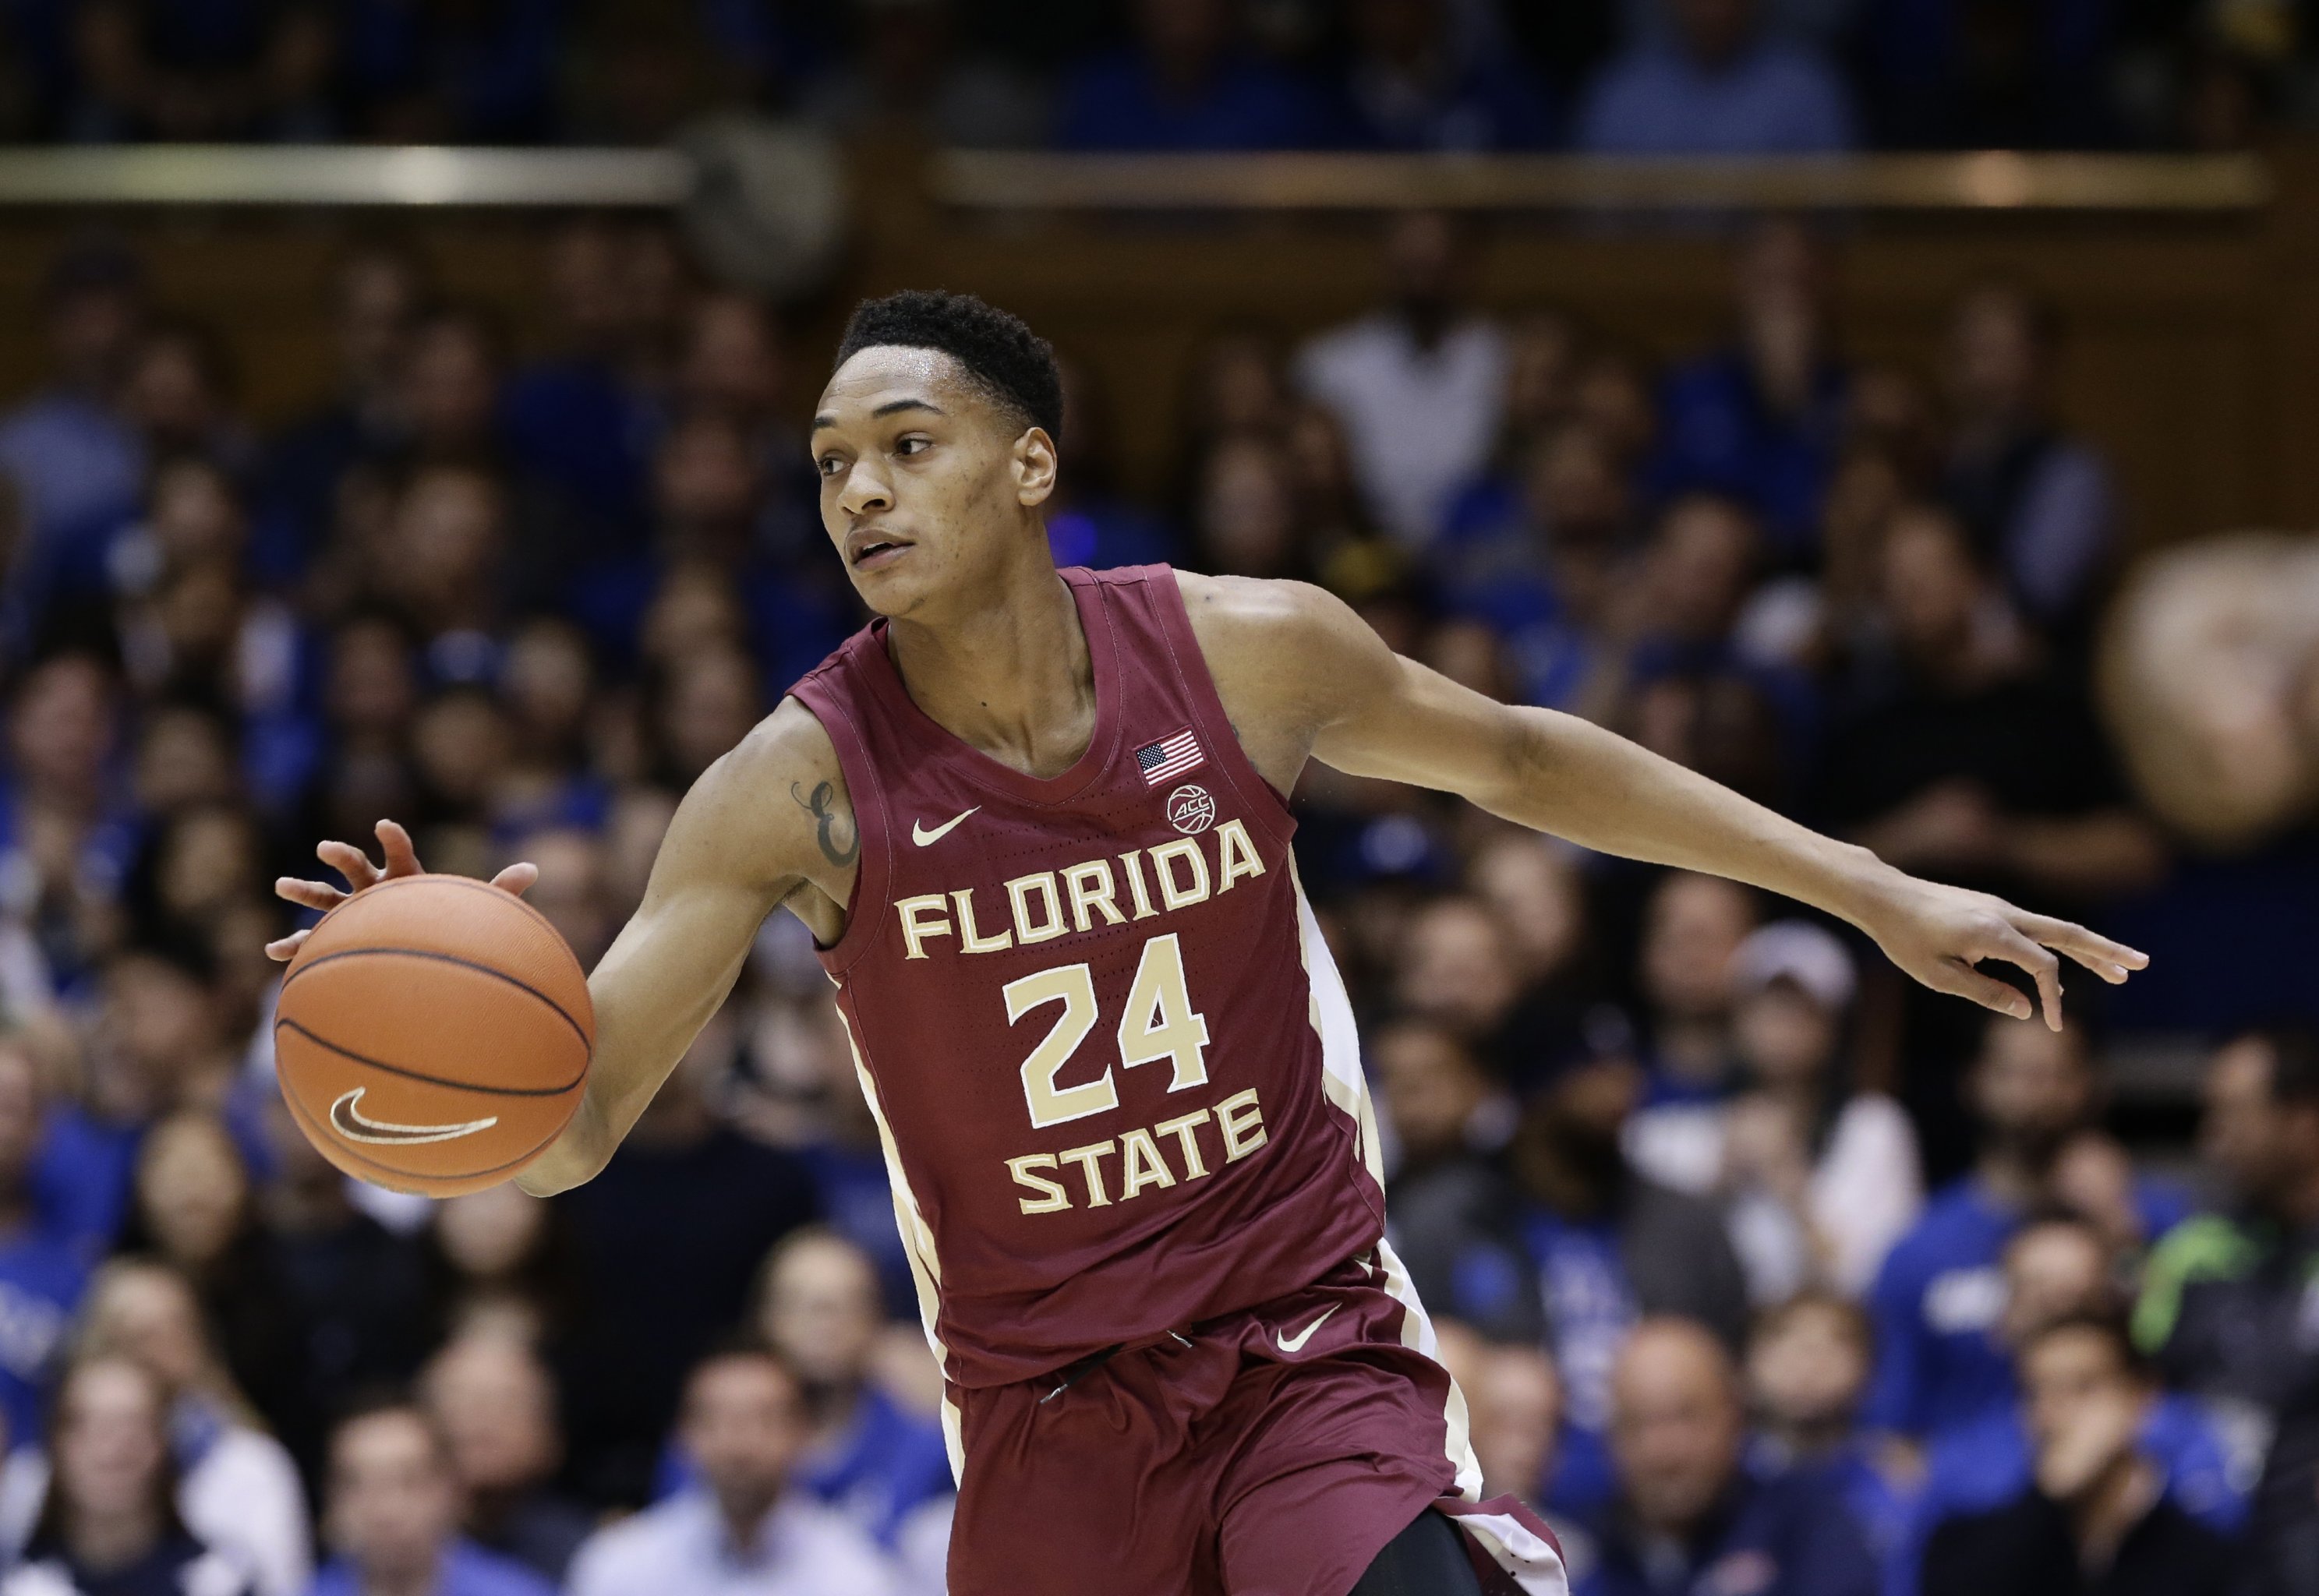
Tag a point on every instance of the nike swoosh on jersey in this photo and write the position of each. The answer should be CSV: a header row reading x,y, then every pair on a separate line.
x,y
1295,1343
349,1122
927,839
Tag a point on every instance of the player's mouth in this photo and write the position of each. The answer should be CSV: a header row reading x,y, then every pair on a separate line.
x,y
874,551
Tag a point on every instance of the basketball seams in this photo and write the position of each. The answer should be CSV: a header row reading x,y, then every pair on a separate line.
x,y
421,1076
335,1148
586,1041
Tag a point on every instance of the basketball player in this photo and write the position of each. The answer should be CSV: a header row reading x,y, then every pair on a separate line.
x,y
1037,822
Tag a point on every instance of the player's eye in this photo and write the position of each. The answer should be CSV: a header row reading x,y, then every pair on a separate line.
x,y
830,464
914,445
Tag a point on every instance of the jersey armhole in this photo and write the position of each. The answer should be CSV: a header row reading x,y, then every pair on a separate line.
x,y
873,872
1266,803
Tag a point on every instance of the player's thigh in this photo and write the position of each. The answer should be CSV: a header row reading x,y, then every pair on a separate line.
x,y
1339,1457
1427,1558
1094,1489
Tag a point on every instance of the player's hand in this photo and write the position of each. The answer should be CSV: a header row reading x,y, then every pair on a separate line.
x,y
1939,933
350,861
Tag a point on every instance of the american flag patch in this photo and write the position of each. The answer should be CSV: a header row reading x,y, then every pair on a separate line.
x,y
1169,757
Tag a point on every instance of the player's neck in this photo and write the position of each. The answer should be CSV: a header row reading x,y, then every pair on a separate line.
x,y
1011,677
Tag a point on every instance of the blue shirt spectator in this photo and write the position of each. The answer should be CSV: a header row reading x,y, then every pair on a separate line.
x,y
1421,79
1719,431
1720,87
801,1549
41,1279
1789,1536
1987,1462
465,1569
1184,84
1691,1520
1936,1303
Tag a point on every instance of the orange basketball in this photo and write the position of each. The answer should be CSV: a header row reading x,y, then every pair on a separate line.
x,y
433,1034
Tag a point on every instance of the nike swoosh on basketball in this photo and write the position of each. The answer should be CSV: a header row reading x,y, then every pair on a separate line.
x,y
927,839
349,1122
1295,1343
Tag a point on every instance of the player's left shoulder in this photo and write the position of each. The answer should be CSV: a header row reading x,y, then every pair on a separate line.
x,y
1290,634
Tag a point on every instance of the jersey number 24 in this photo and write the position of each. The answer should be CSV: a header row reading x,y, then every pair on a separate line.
x,y
1159,1024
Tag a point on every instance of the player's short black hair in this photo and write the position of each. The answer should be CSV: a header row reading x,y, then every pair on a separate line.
x,y
1013,367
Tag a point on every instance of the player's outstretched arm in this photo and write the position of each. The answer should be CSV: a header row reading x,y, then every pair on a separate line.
x,y
767,823
1295,658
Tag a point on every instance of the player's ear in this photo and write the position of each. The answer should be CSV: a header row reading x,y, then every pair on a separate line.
x,y
1035,467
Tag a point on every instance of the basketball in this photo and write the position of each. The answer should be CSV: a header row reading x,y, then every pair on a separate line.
x,y
433,1034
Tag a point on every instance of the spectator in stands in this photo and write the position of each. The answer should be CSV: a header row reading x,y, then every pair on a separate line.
x,y
744,1425
1722,86
442,72
393,1515
1185,82
2058,1266
1418,385
2223,1308
2096,1518
585,421
42,1273
2040,504
1807,1373
176,390
494,1401
2012,76
1970,765
1686,1504
1569,1247
1761,418
1939,1297
74,462
878,1463
1424,76
668,1240
355,1288
215,73
1445,1110
1536,569
1456,968
194,1208
910,74
237,1487
502,1261
1693,926
1821,1176
108,1521
1513,1398
375,294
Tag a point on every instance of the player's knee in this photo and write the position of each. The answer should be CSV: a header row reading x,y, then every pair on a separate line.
x,y
1427,1558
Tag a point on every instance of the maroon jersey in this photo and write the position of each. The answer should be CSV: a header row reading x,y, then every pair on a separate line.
x,y
1114,1066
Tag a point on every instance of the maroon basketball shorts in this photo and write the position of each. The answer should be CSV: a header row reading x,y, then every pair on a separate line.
x,y
1267,1452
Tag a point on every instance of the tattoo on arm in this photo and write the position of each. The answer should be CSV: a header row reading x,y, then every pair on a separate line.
x,y
821,803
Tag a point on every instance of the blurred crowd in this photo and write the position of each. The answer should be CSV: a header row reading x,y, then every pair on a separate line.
x,y
1765,1273
1725,76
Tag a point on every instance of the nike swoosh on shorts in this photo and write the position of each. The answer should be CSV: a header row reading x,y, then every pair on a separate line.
x,y
1295,1343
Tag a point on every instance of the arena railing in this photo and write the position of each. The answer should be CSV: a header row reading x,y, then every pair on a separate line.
x,y
431,176
1975,181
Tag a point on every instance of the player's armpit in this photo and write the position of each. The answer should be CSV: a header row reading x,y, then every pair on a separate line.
x,y
767,824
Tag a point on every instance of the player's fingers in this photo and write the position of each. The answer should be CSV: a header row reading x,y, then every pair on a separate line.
x,y
2111,960
309,894
287,948
349,862
516,878
1962,980
2043,969
394,843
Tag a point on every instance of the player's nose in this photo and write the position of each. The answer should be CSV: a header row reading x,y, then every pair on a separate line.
x,y
865,490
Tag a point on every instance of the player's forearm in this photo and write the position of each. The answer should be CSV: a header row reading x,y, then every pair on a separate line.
x,y
1572,779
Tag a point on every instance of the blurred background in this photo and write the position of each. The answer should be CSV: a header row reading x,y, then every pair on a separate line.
x,y
1899,410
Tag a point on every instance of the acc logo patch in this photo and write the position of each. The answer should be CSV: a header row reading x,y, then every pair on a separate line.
x,y
1190,809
